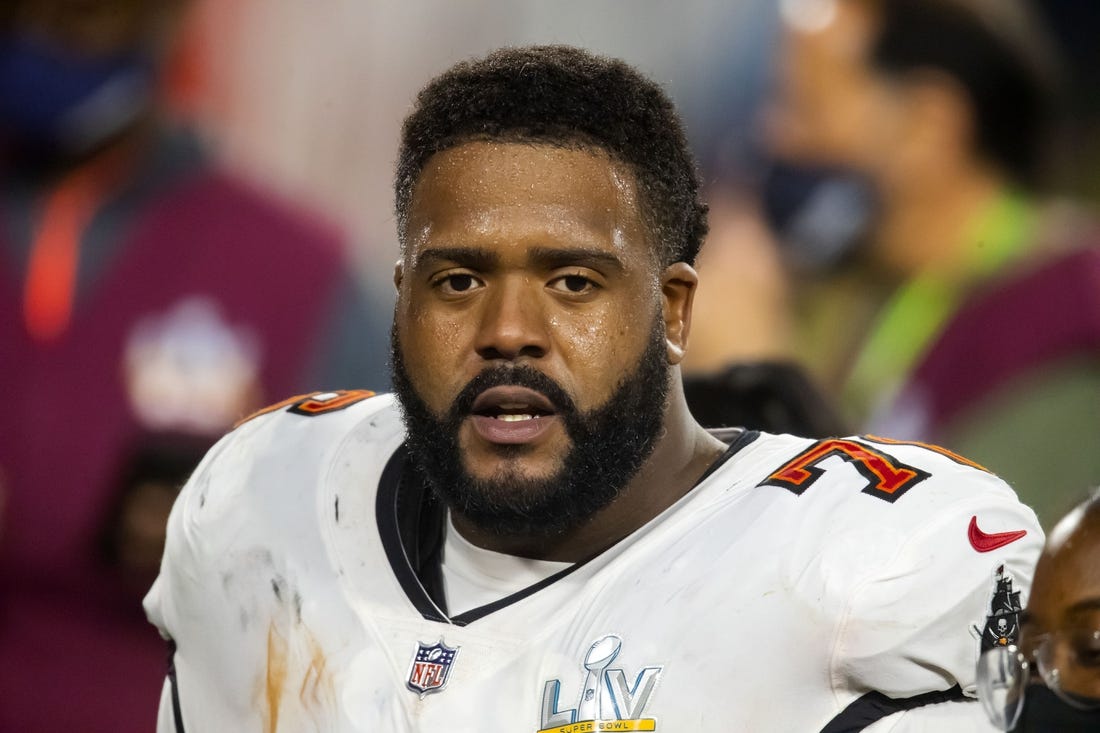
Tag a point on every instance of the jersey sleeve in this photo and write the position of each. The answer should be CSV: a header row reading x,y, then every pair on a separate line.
x,y
183,604
245,536
166,714
955,580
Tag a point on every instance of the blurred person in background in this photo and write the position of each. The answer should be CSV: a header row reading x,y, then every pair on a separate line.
x,y
1051,682
149,300
743,303
970,314
773,396
746,373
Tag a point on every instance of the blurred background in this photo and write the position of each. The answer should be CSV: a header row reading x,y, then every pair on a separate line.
x,y
197,221
311,96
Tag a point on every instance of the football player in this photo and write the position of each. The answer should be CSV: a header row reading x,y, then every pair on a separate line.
x,y
534,534
1051,682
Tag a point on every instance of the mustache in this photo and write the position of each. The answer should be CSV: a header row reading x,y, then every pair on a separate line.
x,y
511,376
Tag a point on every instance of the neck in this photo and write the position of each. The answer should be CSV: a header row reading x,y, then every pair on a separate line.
x,y
682,454
911,242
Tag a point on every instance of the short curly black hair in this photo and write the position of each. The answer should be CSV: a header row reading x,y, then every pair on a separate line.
x,y
565,96
998,53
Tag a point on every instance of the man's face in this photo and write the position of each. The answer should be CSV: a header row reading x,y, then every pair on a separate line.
x,y
529,320
1064,607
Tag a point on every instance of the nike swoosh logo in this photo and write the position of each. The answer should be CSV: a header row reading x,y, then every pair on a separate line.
x,y
987,542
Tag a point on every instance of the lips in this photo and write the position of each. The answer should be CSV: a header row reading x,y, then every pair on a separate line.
x,y
511,415
512,400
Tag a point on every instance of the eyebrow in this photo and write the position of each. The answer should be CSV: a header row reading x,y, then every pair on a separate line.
x,y
473,257
597,259
1082,606
1087,604
550,257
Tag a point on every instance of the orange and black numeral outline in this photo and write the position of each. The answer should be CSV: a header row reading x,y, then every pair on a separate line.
x,y
314,403
887,478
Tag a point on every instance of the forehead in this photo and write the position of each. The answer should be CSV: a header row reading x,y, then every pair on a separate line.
x,y
1068,573
482,187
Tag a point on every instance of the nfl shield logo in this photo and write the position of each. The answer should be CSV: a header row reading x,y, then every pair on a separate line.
x,y
431,667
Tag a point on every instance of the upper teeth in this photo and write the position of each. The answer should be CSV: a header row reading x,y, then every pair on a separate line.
x,y
506,417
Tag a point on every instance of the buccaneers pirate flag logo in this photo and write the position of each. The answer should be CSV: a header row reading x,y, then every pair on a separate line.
x,y
1002,625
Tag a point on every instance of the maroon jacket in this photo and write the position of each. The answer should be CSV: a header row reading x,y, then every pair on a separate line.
x,y
75,650
1022,324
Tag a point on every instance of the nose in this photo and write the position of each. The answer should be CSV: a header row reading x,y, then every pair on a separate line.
x,y
513,322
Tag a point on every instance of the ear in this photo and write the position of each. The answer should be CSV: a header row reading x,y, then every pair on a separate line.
x,y
678,283
398,273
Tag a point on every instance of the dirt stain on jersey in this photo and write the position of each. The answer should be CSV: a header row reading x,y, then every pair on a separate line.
x,y
299,657
276,677
316,686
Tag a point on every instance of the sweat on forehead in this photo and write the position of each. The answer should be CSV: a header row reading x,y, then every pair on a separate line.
x,y
571,193
565,97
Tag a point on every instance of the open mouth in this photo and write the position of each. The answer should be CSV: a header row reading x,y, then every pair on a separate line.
x,y
512,404
512,415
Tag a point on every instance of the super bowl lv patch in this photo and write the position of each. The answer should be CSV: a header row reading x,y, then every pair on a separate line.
x,y
607,700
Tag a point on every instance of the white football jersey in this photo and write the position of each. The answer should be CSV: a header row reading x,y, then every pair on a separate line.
x,y
800,586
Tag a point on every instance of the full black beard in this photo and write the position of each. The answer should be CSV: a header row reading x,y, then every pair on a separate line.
x,y
609,445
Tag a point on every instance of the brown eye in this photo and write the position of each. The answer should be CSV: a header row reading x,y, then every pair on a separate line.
x,y
1086,648
460,283
574,284
457,283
